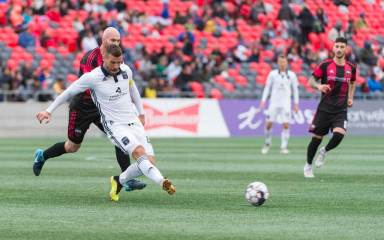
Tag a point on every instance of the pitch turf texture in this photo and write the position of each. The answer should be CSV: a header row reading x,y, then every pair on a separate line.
x,y
70,199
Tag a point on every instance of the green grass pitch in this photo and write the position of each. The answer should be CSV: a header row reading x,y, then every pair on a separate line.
x,y
70,198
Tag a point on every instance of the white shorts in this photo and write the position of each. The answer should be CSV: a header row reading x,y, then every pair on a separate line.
x,y
127,137
279,115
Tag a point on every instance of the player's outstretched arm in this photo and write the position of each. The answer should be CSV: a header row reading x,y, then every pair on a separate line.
x,y
77,87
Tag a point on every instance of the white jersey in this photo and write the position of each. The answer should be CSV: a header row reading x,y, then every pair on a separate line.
x,y
280,86
117,98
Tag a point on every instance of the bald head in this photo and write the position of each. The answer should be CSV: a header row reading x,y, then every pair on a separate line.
x,y
110,36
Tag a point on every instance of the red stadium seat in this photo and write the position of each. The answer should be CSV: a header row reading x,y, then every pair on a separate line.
x,y
215,93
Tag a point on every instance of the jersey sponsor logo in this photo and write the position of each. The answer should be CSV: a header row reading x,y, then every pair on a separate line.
x,y
185,118
118,95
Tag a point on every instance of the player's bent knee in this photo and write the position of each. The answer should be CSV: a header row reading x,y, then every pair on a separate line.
x,y
152,159
286,125
71,147
138,152
317,136
339,130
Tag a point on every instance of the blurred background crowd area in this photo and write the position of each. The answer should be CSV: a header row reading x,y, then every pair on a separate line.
x,y
202,48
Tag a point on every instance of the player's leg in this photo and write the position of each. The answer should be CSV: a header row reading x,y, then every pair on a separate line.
x,y
124,162
78,125
126,139
284,139
339,126
286,117
319,127
270,118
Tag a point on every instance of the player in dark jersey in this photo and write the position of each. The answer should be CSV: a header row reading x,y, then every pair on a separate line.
x,y
83,112
337,86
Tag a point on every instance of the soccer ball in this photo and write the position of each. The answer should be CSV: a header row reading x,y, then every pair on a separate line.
x,y
256,193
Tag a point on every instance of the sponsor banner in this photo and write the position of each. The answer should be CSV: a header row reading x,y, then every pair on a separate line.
x,y
366,118
244,118
184,118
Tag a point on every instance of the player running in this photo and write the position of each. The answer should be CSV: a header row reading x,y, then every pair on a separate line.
x,y
83,112
281,83
337,86
112,89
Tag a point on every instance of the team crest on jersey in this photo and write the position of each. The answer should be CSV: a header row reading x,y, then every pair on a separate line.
x,y
125,140
118,90
125,75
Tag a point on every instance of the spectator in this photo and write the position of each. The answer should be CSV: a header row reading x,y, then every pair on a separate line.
x,y
336,31
172,71
367,55
120,6
255,54
89,42
184,78
59,86
374,84
345,3
306,23
321,21
150,90
361,23
26,39
286,13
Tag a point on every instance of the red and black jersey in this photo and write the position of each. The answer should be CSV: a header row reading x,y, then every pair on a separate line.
x,y
90,61
338,77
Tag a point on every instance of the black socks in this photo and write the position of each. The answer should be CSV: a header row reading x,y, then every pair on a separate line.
x,y
123,160
334,141
54,151
312,148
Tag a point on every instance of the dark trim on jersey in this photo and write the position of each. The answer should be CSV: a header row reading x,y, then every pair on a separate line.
x,y
104,123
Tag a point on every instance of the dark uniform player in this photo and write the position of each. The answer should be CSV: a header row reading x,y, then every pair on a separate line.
x,y
83,112
337,85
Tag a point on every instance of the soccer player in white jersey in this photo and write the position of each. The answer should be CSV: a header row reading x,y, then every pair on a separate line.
x,y
112,88
281,84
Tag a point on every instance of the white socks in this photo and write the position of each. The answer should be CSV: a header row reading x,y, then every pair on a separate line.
x,y
131,172
142,166
268,136
284,138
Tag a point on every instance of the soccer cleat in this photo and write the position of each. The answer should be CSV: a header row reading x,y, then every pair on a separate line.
x,y
308,171
265,149
115,188
168,186
320,160
284,151
39,162
134,184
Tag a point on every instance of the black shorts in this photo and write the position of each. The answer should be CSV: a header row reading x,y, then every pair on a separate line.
x,y
79,122
324,121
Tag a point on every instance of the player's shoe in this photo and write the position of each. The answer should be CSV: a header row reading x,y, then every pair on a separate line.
x,y
168,186
115,188
38,162
320,160
134,184
265,149
284,151
308,173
